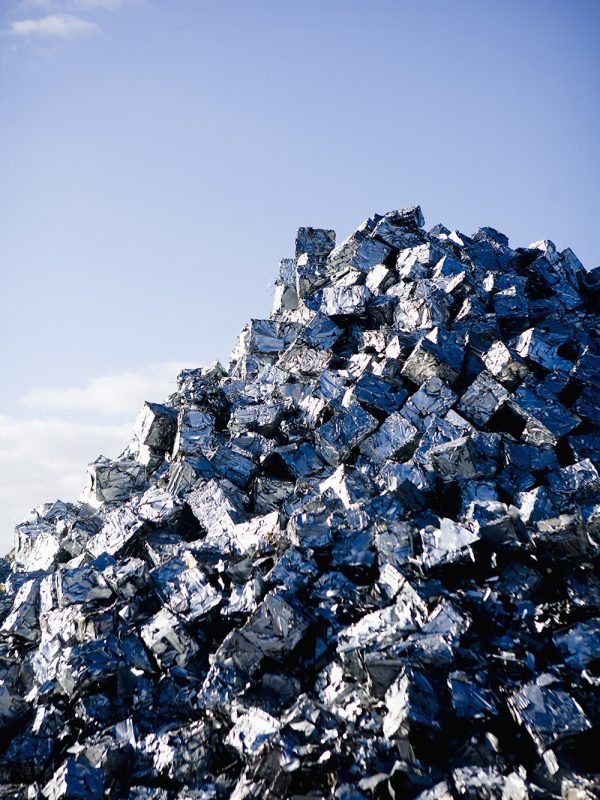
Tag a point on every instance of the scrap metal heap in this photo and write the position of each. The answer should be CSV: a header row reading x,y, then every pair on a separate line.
x,y
361,563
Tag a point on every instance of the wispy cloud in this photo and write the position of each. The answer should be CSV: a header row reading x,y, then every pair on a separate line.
x,y
76,5
62,19
61,26
43,456
112,394
86,5
42,460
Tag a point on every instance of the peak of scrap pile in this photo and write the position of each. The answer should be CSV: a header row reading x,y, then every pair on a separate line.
x,y
361,562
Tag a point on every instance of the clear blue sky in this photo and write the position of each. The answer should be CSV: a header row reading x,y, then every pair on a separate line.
x,y
156,157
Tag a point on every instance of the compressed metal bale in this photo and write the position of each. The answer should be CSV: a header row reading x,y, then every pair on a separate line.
x,y
360,561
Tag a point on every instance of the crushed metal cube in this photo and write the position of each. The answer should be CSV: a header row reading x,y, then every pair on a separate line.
x,y
360,562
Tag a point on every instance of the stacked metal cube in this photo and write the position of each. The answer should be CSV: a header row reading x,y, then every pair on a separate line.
x,y
359,563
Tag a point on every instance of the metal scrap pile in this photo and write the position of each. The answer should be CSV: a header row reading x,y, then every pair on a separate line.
x,y
362,563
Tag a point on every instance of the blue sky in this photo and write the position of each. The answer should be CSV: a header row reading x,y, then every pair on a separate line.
x,y
156,157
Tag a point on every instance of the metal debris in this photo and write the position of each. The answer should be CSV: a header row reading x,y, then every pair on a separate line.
x,y
360,563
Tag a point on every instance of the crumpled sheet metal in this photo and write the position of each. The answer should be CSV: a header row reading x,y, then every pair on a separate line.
x,y
546,419
155,426
252,731
395,438
184,589
428,360
548,714
378,628
314,241
434,397
359,563
504,364
447,544
110,481
157,505
12,707
345,300
121,525
277,626
482,399
264,418
37,545
167,640
22,621
336,439
75,779
411,702
194,432
81,585
218,504
470,700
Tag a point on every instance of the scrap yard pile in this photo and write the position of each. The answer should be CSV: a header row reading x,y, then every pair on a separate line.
x,y
359,563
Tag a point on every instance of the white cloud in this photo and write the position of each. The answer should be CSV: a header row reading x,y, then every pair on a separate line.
x,y
62,26
76,5
44,457
42,460
111,394
86,5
